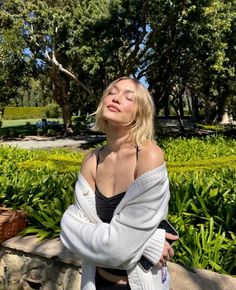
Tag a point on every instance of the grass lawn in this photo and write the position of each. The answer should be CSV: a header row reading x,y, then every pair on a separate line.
x,y
14,123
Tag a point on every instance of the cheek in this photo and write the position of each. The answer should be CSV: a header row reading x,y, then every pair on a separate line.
x,y
129,107
105,103
131,111
105,100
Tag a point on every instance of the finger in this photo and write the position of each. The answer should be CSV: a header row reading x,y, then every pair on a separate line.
x,y
159,264
166,258
171,252
166,255
166,249
162,261
171,237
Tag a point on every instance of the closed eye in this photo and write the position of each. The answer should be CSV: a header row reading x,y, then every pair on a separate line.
x,y
129,98
112,92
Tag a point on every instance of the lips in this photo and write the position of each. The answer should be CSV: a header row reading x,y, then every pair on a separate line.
x,y
113,108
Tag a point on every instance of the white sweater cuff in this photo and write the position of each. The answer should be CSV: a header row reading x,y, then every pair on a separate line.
x,y
155,246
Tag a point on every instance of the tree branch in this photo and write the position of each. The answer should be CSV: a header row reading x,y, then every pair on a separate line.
x,y
59,66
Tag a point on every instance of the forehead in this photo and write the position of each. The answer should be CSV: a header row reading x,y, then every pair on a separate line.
x,y
127,85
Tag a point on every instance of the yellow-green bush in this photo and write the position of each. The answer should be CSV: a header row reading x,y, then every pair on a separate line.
x,y
55,162
210,164
16,113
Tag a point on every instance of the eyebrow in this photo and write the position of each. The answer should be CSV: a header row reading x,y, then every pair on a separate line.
x,y
126,90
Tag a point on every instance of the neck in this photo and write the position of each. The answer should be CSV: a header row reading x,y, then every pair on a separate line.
x,y
117,139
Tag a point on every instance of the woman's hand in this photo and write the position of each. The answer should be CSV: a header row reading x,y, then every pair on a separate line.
x,y
168,251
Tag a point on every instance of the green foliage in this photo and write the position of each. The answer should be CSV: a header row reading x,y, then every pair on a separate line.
x,y
22,122
82,123
203,201
202,164
192,149
227,129
53,111
202,246
203,194
54,162
17,131
20,131
16,113
41,182
13,68
215,128
195,69
202,205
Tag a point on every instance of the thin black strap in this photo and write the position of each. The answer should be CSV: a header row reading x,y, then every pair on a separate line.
x,y
137,150
135,171
100,149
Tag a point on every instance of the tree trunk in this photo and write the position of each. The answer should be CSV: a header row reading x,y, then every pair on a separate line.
x,y
195,108
66,115
60,87
166,107
178,114
181,106
222,100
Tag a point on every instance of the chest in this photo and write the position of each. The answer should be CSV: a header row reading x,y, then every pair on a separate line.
x,y
114,174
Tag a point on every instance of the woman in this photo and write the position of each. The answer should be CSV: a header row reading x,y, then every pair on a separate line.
x,y
121,196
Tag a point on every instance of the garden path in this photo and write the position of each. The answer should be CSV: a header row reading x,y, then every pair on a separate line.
x,y
39,142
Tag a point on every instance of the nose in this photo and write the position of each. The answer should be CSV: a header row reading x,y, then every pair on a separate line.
x,y
116,98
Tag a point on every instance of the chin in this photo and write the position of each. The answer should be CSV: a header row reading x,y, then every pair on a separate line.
x,y
114,120
110,117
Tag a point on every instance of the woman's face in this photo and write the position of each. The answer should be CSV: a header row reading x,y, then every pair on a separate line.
x,y
119,105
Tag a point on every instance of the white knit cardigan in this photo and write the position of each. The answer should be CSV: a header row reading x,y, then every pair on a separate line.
x,y
131,233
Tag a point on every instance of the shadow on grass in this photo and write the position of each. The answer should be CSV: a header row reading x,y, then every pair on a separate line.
x,y
22,131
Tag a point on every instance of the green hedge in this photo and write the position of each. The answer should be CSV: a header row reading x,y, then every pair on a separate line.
x,y
210,164
16,113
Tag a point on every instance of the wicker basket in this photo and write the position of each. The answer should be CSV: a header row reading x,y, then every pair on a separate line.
x,y
11,223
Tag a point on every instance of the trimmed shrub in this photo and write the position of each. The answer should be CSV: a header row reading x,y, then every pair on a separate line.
x,y
229,161
16,113
53,111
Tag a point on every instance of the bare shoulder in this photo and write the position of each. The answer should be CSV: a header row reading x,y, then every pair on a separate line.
x,y
88,167
150,156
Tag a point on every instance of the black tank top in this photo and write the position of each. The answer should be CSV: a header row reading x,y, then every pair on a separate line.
x,y
105,207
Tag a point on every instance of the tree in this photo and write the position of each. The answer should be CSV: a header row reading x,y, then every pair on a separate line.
x,y
188,54
75,40
14,70
216,68
183,49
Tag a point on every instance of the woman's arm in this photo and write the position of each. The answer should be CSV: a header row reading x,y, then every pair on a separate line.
x,y
121,243
111,245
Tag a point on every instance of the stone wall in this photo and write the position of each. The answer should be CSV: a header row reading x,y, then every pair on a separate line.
x,y
26,264
25,272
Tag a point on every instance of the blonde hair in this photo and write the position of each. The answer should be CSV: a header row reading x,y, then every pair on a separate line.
x,y
142,128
